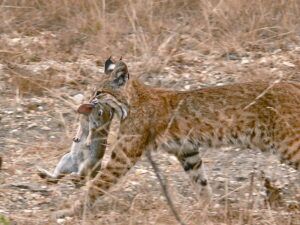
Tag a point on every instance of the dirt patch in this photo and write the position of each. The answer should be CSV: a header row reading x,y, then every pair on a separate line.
x,y
51,55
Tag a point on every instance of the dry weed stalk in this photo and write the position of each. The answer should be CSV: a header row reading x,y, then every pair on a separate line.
x,y
164,188
151,29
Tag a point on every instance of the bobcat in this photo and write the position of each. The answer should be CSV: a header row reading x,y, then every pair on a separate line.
x,y
88,145
259,115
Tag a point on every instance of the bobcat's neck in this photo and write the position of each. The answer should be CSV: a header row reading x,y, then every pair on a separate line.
x,y
135,92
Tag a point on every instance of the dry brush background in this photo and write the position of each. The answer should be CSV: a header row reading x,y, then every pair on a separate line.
x,y
52,52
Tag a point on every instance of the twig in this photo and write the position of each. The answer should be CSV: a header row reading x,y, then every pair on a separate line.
x,y
164,188
29,187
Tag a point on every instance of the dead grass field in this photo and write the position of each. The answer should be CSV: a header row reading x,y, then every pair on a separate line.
x,y
51,52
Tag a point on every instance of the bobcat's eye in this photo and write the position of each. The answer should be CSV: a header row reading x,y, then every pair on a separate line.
x,y
98,93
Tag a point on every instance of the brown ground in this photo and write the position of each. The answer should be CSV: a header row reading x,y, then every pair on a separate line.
x,y
48,58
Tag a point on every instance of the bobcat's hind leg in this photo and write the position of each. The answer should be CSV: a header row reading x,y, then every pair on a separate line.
x,y
188,155
193,166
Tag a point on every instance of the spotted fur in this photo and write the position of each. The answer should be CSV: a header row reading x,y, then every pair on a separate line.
x,y
258,115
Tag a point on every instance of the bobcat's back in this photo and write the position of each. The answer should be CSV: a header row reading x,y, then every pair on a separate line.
x,y
264,116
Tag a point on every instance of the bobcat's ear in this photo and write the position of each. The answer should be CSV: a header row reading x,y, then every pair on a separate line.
x,y
109,66
85,109
120,74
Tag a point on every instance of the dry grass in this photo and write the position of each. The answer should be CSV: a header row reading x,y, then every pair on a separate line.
x,y
146,29
156,34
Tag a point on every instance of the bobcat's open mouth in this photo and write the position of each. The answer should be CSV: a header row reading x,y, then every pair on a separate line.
x,y
108,99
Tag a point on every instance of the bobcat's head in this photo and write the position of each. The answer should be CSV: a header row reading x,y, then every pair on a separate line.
x,y
117,73
116,80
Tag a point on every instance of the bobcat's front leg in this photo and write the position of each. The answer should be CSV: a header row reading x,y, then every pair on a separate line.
x,y
125,154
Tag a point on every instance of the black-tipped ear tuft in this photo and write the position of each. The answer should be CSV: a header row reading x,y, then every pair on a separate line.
x,y
109,66
120,58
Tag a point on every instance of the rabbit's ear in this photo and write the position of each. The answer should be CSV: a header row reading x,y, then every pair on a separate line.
x,y
85,109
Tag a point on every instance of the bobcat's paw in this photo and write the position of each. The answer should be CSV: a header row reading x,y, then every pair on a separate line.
x,y
80,207
76,210
203,191
77,180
